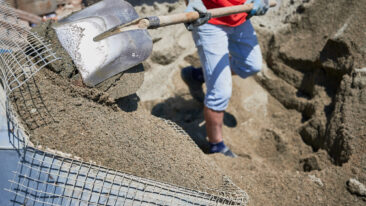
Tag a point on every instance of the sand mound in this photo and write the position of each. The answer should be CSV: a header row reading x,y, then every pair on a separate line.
x,y
102,124
85,123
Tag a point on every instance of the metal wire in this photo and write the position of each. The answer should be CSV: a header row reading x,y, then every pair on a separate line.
x,y
23,53
44,178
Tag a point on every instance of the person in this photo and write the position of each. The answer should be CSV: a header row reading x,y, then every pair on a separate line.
x,y
226,45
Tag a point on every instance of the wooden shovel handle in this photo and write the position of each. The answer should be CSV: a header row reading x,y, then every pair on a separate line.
x,y
219,12
153,22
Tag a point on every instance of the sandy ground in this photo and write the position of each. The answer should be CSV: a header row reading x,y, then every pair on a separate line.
x,y
298,127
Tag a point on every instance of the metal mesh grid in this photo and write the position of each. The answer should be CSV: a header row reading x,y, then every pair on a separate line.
x,y
23,53
47,179
28,102
17,137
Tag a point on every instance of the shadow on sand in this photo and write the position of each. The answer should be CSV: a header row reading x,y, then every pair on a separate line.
x,y
188,114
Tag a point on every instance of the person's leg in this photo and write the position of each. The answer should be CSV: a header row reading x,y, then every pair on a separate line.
x,y
246,56
212,45
214,121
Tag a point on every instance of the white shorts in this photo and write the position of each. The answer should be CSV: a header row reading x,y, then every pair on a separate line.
x,y
214,44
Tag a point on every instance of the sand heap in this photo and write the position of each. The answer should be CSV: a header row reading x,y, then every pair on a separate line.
x,y
87,124
97,125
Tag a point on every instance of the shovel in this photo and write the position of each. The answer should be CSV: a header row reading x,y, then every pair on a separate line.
x,y
108,37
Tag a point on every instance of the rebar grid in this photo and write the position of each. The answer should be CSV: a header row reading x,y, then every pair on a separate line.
x,y
44,178
22,53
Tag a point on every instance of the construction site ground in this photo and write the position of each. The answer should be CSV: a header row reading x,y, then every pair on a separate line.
x,y
298,127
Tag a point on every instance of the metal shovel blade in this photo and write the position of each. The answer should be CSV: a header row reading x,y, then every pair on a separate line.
x,y
98,61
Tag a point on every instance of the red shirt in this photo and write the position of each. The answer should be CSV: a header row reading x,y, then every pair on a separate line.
x,y
232,20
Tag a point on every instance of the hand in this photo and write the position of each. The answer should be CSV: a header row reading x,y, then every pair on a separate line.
x,y
260,7
197,5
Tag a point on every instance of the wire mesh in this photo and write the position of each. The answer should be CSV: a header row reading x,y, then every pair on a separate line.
x,y
28,102
23,53
48,178
17,137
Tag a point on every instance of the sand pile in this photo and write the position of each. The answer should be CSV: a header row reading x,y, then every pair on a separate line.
x,y
97,125
87,124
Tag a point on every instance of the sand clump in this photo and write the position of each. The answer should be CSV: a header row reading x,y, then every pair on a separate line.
x,y
118,86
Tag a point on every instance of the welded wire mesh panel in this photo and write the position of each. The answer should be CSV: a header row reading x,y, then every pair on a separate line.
x,y
22,53
16,134
46,179
176,127
29,104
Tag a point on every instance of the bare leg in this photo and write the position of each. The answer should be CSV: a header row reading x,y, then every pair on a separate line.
x,y
214,121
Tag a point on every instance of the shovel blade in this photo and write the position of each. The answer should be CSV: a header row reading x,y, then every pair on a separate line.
x,y
98,61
